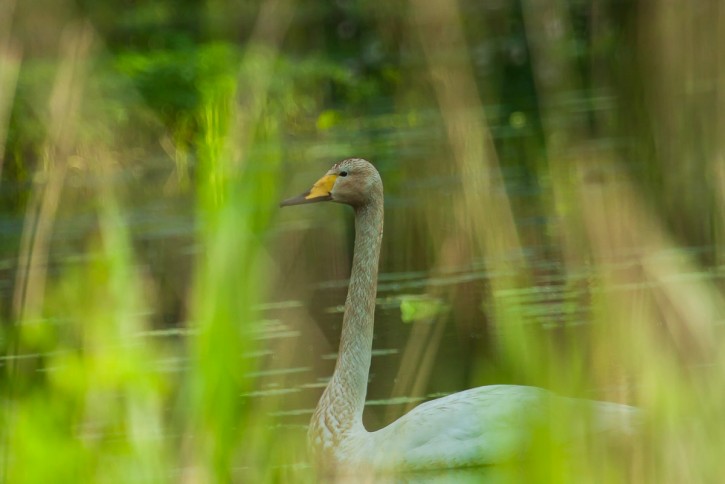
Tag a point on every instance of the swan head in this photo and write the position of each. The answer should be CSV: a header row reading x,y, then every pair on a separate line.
x,y
353,181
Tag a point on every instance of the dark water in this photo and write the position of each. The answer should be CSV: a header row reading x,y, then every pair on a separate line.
x,y
312,278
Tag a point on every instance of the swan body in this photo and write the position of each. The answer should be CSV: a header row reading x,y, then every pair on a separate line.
x,y
480,426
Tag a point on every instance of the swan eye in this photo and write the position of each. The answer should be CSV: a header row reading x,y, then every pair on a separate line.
x,y
343,173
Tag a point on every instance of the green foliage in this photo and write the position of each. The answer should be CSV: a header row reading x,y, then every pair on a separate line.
x,y
172,81
123,361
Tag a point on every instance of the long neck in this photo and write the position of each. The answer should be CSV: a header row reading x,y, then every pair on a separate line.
x,y
344,398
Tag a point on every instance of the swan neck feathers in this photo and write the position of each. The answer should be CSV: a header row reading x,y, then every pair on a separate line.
x,y
338,415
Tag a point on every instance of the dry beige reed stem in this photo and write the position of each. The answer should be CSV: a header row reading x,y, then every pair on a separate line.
x,y
62,123
482,217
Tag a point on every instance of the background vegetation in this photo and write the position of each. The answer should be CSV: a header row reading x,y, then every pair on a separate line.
x,y
555,189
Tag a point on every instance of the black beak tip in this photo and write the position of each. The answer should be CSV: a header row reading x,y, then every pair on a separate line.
x,y
302,199
298,200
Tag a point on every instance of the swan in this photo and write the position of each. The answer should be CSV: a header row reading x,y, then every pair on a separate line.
x,y
480,426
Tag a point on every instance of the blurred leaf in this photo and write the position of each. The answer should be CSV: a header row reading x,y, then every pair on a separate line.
x,y
327,119
420,308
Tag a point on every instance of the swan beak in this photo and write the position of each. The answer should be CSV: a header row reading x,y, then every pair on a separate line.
x,y
321,191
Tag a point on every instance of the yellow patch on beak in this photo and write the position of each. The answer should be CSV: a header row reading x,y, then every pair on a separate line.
x,y
321,191
322,187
